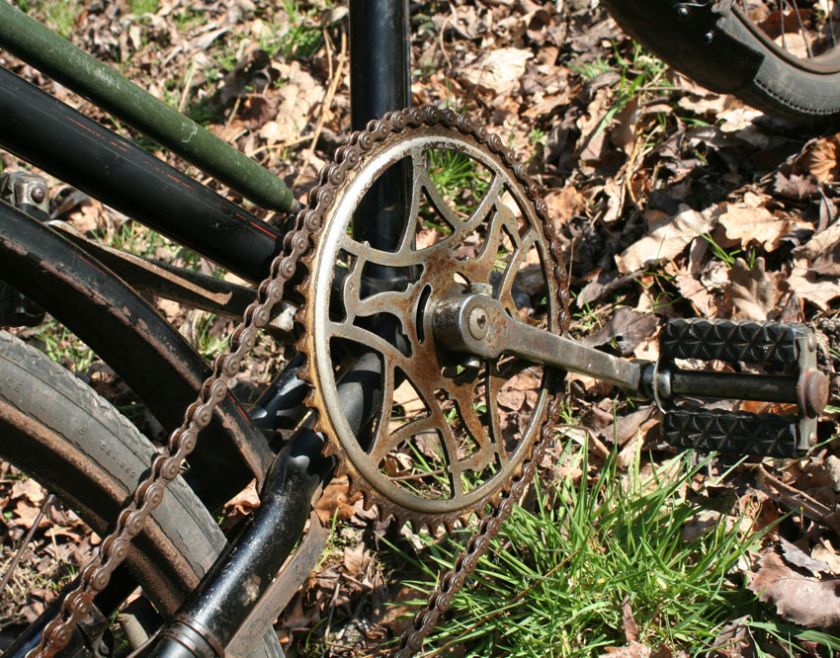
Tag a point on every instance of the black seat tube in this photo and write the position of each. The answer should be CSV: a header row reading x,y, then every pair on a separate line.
x,y
380,81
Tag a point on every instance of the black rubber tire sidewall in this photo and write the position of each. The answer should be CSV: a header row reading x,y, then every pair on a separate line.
x,y
721,53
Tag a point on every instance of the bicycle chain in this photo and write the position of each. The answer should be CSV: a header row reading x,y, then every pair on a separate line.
x,y
424,621
166,466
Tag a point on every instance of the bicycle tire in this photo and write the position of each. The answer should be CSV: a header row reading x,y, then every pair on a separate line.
x,y
76,444
717,46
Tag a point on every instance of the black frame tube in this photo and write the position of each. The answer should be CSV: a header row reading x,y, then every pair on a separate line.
x,y
99,83
380,81
242,574
58,139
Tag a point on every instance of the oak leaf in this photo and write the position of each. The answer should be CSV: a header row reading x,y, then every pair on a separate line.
x,y
667,238
803,600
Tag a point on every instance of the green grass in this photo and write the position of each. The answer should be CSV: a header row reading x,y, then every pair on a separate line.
x,y
301,39
59,15
461,181
554,581
63,347
140,7
728,258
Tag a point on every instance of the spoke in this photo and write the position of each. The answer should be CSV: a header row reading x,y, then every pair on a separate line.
x,y
494,387
13,565
527,243
370,341
389,442
352,289
491,198
419,171
410,257
466,410
782,17
450,443
481,267
436,199
830,8
802,31
387,405
389,301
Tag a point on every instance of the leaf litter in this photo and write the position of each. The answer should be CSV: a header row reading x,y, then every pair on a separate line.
x,y
671,202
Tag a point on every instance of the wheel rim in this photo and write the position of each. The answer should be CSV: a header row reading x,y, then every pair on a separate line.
x,y
804,33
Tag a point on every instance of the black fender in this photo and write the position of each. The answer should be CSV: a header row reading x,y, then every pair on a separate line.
x,y
142,348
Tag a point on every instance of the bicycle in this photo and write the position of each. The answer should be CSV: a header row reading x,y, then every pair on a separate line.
x,y
376,314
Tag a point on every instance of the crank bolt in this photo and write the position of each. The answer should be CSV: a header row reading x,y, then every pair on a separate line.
x,y
38,194
478,323
812,390
682,13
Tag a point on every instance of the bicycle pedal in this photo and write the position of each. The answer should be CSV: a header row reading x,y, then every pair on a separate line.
x,y
788,350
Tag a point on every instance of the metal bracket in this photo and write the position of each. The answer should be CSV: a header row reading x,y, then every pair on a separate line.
x,y
28,193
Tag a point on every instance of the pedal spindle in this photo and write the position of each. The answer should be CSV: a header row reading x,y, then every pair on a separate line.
x,y
788,351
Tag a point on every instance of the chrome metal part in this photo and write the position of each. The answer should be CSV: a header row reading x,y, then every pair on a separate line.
x,y
26,192
439,446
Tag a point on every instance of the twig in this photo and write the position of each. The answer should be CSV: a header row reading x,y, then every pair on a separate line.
x,y
328,99
441,41
19,555
185,92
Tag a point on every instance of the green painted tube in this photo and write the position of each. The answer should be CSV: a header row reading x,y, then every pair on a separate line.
x,y
75,69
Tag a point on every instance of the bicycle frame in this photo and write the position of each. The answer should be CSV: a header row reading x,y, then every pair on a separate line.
x,y
70,278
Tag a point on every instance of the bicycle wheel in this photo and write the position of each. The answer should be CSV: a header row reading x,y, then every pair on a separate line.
x,y
57,430
780,56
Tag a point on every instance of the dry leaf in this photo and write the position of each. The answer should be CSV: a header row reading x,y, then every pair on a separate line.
x,y
28,489
754,291
820,243
821,159
356,560
498,71
631,628
747,223
800,599
336,499
245,501
799,558
696,293
299,96
807,285
627,327
632,650
667,238
563,204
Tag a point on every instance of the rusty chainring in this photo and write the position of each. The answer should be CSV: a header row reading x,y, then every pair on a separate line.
x,y
439,445
298,243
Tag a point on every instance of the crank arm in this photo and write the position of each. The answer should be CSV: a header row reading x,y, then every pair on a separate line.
x,y
478,324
